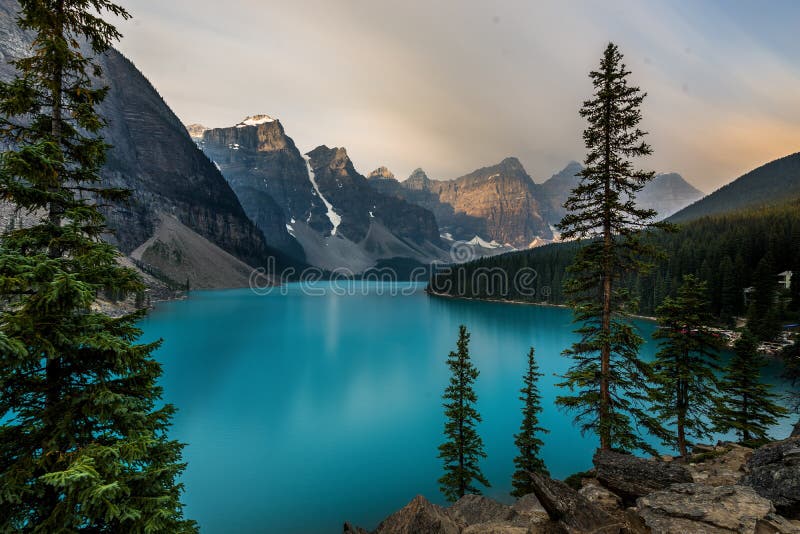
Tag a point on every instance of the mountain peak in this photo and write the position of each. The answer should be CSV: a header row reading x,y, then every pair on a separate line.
x,y
381,173
255,120
196,130
417,180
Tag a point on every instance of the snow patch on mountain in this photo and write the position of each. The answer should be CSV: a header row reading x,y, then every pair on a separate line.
x,y
334,217
255,120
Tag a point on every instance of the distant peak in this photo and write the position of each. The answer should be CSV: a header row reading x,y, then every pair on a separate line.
x,y
196,130
255,120
573,167
511,160
381,173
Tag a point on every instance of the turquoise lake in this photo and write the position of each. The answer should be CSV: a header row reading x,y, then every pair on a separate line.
x,y
301,411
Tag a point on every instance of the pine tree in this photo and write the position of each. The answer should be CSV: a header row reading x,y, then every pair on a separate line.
x,y
686,364
730,293
83,444
527,441
763,318
746,406
464,447
607,373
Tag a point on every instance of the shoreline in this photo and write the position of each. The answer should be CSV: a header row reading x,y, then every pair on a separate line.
x,y
521,302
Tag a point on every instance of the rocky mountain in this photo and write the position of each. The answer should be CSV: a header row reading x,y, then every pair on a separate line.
x,y
317,206
155,158
504,195
666,193
453,225
772,183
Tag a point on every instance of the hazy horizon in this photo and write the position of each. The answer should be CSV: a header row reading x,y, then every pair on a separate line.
x,y
451,87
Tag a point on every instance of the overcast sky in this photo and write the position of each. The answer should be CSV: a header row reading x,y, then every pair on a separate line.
x,y
450,86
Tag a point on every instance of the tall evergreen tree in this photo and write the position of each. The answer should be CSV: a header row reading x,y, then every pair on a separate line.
x,y
686,364
730,295
464,447
763,317
528,441
83,443
746,405
607,376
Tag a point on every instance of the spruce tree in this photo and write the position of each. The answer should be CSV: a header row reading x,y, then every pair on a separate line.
x,y
607,379
763,316
746,405
83,438
464,447
528,441
686,365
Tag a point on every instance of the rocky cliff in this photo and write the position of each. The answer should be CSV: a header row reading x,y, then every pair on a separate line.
x,y
318,206
503,195
154,157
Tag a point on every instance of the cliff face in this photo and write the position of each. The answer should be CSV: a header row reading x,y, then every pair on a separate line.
x,y
154,157
304,204
357,202
503,195
269,175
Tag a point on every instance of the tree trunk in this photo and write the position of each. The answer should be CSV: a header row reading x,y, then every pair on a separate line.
x,y
605,351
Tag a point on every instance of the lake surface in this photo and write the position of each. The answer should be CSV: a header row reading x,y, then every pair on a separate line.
x,y
305,410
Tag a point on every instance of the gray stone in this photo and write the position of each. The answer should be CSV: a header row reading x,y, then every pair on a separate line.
x,y
774,473
698,508
474,509
631,477
572,509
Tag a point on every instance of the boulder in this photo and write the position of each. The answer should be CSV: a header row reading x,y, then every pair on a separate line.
x,y
495,527
474,509
726,469
631,477
419,517
796,430
571,509
775,524
601,497
529,509
698,508
774,473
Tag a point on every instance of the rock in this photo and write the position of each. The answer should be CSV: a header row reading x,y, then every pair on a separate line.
x,y
775,524
572,509
724,470
419,517
698,508
603,498
350,529
631,477
774,472
474,509
796,430
530,509
495,527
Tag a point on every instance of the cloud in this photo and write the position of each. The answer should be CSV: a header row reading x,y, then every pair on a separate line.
x,y
455,85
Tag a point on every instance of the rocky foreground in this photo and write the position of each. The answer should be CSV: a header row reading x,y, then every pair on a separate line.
x,y
719,489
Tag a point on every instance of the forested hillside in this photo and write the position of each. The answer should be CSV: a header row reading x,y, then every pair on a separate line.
x,y
767,185
723,250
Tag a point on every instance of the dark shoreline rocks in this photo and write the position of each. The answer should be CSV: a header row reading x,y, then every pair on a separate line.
x,y
728,489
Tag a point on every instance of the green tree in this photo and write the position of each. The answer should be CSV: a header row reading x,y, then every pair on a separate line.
x,y
464,447
83,438
686,364
731,295
746,405
763,317
527,441
794,292
607,377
